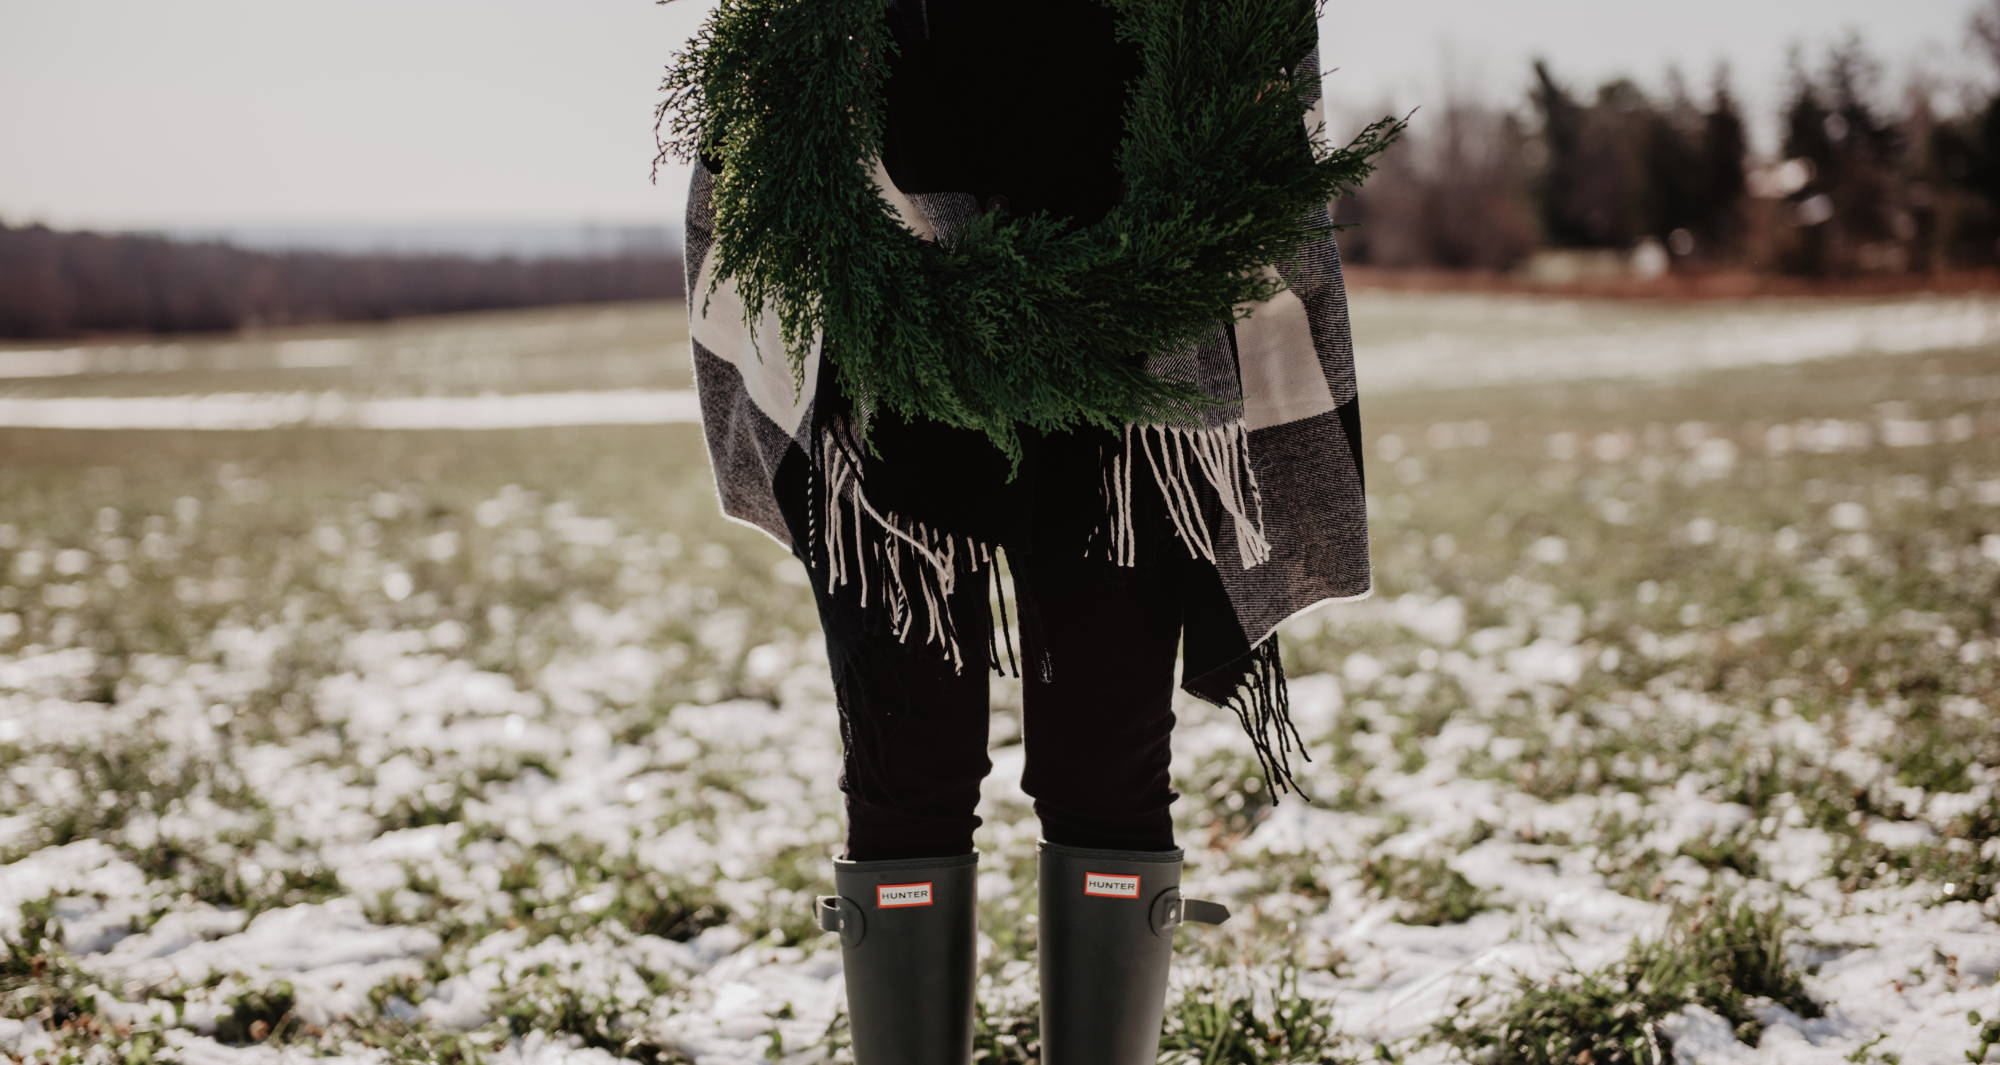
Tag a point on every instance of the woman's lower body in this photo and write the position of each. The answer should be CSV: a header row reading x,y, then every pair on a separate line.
x,y
1097,646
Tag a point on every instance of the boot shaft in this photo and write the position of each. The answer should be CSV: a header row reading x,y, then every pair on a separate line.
x,y
1106,944
908,941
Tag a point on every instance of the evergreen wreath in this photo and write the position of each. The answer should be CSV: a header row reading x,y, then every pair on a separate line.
x,y
1015,320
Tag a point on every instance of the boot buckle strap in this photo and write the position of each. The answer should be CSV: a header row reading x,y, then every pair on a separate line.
x,y
1203,911
837,914
1172,909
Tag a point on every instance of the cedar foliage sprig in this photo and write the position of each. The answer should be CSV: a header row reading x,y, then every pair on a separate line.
x,y
1014,320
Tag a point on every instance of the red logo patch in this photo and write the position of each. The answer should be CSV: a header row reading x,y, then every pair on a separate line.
x,y
1111,885
895,896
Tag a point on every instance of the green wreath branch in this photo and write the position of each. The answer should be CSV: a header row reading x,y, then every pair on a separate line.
x,y
1014,320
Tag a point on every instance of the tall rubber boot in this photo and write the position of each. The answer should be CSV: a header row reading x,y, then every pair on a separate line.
x,y
908,952
1107,938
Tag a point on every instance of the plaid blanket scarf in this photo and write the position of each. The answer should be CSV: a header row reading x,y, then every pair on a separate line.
x,y
1265,494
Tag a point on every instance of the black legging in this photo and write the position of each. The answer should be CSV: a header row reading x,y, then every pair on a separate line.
x,y
1096,655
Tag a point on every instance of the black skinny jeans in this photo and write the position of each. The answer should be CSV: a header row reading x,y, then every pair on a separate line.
x,y
1097,643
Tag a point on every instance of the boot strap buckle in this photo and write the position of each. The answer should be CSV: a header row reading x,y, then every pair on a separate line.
x,y
1171,909
837,914
1201,911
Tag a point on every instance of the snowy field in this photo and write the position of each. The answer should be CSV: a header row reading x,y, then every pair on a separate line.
x,y
1668,734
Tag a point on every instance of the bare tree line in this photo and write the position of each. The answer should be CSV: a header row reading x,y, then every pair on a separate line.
x,y
65,284
1866,181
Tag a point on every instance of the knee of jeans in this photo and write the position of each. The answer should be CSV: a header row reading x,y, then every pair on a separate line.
x,y
1131,796
889,832
908,780
1145,825
939,825
1082,775
912,792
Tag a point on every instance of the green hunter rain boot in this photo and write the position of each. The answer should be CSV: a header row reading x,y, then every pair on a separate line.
x,y
908,951
1107,936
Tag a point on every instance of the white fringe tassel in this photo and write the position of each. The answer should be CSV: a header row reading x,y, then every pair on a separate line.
x,y
1222,455
1219,455
937,553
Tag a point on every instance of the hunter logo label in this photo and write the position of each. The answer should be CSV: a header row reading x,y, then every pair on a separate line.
x,y
1111,885
890,896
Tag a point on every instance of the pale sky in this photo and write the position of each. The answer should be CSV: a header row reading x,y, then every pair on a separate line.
x,y
199,112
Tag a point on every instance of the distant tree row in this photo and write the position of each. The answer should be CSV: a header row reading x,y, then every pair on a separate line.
x,y
64,284
1864,181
